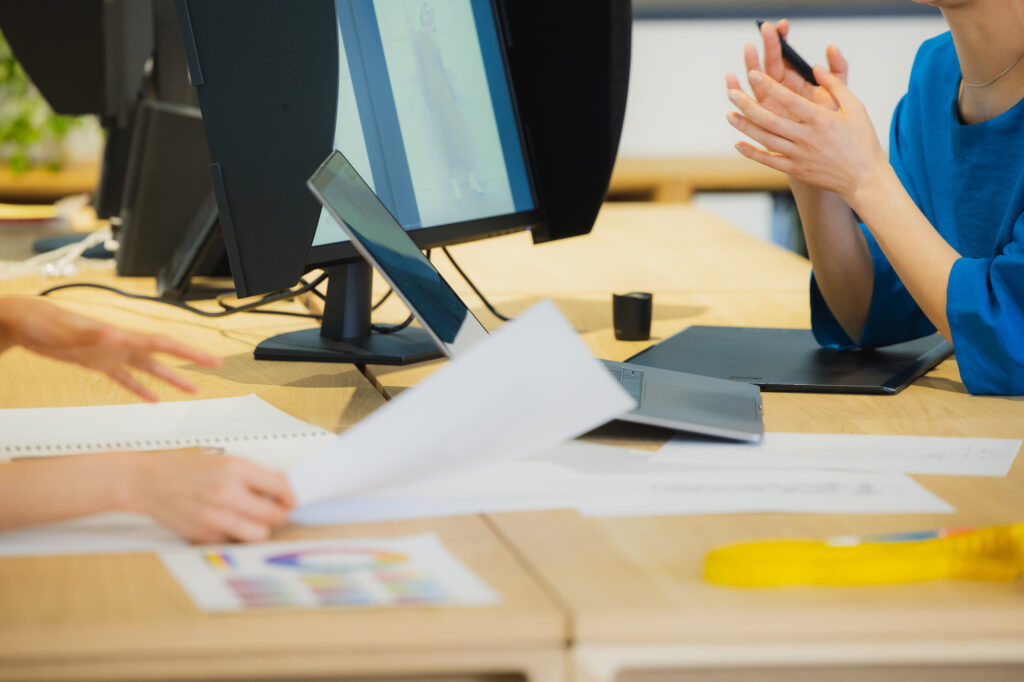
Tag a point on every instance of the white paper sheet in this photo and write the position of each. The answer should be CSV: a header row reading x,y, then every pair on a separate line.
x,y
531,385
811,492
851,452
114,533
339,573
600,480
246,426
561,477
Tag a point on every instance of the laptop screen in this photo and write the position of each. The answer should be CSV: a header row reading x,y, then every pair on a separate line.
x,y
381,240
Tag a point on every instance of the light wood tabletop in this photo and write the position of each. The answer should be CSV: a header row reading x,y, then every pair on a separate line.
x,y
40,185
330,396
678,179
640,608
701,269
623,596
122,617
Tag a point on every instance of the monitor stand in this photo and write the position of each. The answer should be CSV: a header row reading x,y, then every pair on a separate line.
x,y
345,335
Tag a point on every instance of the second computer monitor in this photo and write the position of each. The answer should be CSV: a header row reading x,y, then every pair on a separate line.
x,y
435,102
426,114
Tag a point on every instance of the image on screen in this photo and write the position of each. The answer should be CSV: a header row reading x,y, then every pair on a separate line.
x,y
384,243
425,112
444,109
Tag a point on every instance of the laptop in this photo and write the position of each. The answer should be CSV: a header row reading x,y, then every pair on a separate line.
x,y
666,398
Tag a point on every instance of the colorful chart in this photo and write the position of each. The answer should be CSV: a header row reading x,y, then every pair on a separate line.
x,y
337,559
352,573
261,592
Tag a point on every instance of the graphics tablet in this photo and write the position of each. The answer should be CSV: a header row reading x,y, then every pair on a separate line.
x,y
791,360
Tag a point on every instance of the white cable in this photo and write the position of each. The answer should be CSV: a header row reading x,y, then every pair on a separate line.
x,y
60,262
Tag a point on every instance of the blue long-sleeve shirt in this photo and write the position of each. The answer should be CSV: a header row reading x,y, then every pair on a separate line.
x,y
968,180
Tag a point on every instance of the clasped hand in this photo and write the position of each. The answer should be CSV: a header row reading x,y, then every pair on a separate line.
x,y
819,135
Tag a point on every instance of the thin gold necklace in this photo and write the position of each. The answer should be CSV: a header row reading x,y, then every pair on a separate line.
x,y
1001,74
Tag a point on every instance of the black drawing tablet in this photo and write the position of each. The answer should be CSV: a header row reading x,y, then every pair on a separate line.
x,y
791,360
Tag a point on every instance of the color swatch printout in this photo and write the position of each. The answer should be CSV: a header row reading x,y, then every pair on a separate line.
x,y
414,570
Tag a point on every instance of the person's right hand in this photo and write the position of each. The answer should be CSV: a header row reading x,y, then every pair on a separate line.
x,y
776,67
51,331
206,497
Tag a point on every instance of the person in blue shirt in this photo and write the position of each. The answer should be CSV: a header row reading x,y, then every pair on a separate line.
x,y
941,242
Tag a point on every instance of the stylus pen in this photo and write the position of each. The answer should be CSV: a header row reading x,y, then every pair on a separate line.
x,y
795,60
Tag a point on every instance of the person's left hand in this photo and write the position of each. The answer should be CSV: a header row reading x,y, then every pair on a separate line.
x,y
834,150
48,330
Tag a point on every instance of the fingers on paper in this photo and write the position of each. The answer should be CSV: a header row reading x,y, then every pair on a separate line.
x,y
240,497
268,483
225,523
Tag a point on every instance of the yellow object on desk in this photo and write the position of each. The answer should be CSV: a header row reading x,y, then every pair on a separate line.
x,y
995,553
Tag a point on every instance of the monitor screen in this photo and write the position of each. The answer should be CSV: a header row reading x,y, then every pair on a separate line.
x,y
425,113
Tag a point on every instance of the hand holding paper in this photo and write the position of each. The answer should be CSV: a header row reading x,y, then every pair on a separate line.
x,y
530,386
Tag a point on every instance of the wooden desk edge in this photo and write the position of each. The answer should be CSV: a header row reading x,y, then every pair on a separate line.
x,y
678,179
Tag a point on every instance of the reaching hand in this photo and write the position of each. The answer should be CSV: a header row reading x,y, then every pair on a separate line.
x,y
207,497
48,330
776,67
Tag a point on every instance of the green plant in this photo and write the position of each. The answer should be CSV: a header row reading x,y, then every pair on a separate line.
x,y
28,126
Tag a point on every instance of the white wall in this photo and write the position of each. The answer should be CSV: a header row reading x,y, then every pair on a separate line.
x,y
677,103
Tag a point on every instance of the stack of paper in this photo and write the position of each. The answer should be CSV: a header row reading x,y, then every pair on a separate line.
x,y
601,480
247,426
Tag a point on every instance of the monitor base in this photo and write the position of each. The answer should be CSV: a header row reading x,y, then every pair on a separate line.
x,y
399,348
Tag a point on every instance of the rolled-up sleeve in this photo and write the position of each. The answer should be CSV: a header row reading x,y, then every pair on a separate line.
x,y
893,315
985,309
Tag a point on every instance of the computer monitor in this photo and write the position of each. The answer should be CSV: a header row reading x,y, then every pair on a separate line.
x,y
425,97
123,61
87,57
426,109
426,113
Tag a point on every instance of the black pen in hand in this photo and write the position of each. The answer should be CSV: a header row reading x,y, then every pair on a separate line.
x,y
795,60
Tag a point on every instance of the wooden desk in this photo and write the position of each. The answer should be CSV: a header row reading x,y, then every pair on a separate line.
x,y
677,180
44,186
627,593
701,269
330,396
639,606
122,617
